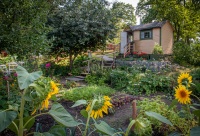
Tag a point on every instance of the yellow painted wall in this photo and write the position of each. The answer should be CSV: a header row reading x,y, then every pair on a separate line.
x,y
148,45
167,38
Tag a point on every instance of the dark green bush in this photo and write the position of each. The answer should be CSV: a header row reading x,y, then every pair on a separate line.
x,y
158,106
196,80
120,79
99,77
181,53
186,54
195,54
157,49
149,83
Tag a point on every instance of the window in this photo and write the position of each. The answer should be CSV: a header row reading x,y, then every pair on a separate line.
x,y
147,34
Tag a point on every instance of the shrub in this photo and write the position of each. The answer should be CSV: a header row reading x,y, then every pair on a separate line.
x,y
186,54
195,54
158,106
181,52
157,49
87,92
98,77
196,81
120,79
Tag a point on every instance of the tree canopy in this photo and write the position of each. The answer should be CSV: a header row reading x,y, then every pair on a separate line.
x,y
80,26
23,29
123,16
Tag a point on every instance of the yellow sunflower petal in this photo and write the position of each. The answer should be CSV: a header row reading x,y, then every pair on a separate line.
x,y
88,108
105,109
33,112
108,103
106,98
182,94
92,113
95,114
46,103
100,113
42,107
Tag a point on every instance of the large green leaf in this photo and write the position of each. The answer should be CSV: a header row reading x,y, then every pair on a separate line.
x,y
25,119
25,78
42,134
58,130
79,102
62,116
104,128
195,131
84,113
158,117
6,118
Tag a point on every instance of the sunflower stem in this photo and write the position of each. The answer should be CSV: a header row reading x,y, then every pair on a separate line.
x,y
88,119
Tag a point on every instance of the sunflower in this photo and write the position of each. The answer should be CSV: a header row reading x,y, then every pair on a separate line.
x,y
54,90
45,103
101,106
182,94
184,77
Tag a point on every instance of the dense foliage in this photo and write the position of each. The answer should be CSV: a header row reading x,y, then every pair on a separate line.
x,y
186,54
23,30
78,27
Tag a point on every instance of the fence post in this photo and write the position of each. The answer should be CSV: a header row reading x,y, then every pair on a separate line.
x,y
134,112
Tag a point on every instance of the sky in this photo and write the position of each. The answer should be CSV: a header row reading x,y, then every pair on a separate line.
x,y
133,2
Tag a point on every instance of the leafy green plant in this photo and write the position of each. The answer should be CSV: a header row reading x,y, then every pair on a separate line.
x,y
80,61
157,49
87,92
195,56
186,54
148,83
120,79
98,76
5,60
195,73
158,106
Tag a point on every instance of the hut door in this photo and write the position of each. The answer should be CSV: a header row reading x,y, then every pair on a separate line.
x,y
123,42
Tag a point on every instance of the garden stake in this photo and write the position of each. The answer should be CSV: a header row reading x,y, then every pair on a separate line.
x,y
134,113
8,89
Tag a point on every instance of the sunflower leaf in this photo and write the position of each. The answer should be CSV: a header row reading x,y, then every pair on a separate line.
x,y
104,128
25,78
158,117
59,113
79,102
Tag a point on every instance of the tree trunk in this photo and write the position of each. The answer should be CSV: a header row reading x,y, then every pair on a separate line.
x,y
70,61
72,57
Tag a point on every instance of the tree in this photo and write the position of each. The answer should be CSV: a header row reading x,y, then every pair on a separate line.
x,y
123,15
23,30
183,15
80,26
